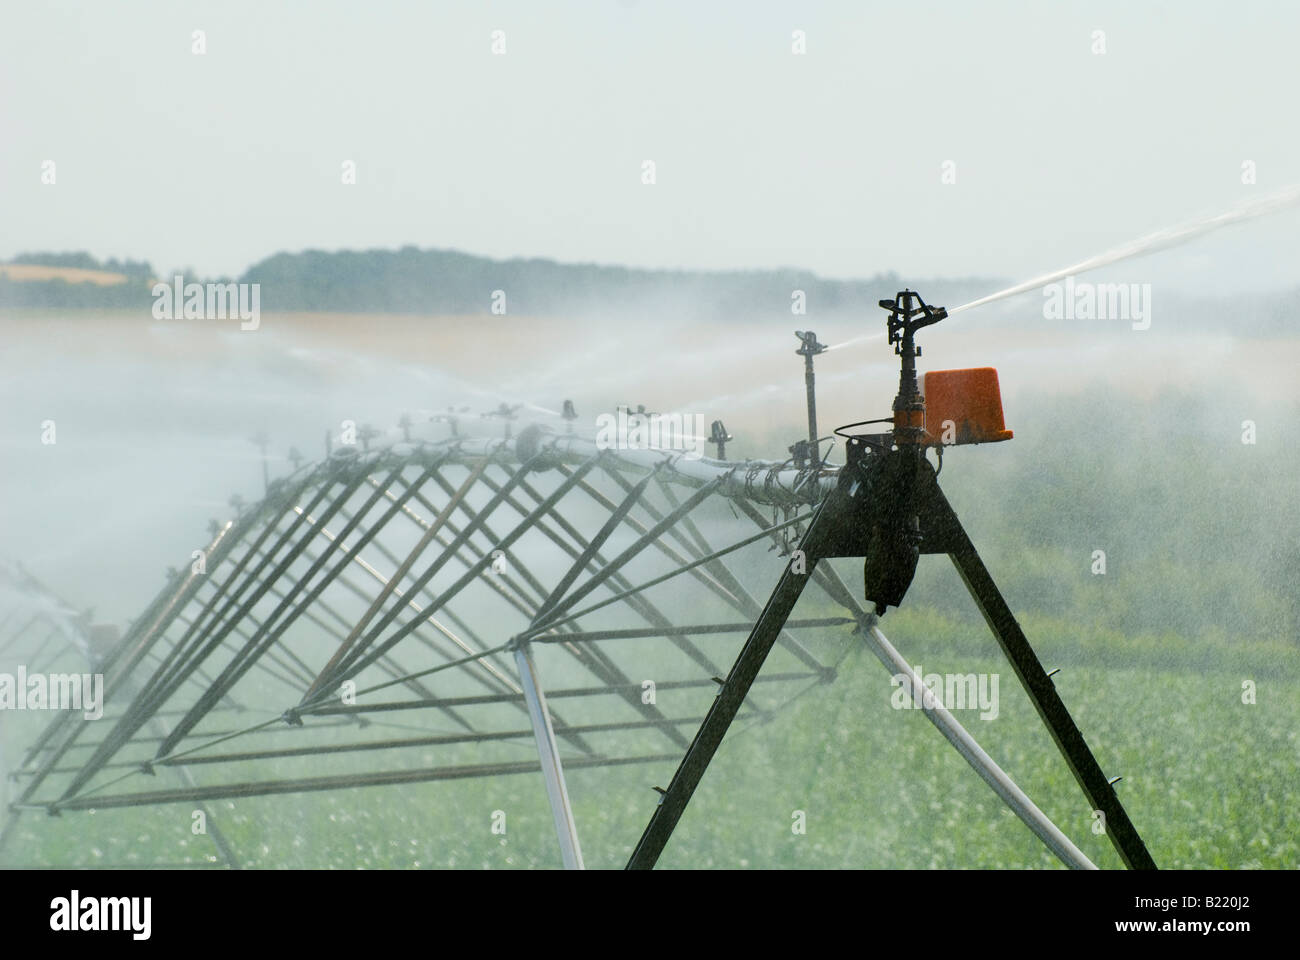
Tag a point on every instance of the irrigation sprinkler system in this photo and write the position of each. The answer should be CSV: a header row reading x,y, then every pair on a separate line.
x,y
463,606
429,574
355,599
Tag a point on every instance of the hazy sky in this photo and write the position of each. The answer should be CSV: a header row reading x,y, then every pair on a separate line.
x,y
829,161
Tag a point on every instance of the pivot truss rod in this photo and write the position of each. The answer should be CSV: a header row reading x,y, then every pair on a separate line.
x,y
314,583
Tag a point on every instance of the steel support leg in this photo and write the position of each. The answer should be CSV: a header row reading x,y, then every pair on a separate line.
x,y
548,752
1042,692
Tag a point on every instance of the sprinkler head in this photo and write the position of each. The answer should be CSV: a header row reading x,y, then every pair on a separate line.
x,y
718,435
808,345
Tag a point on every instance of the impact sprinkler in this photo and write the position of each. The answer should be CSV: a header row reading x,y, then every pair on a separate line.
x,y
451,419
801,452
505,412
718,435
366,434
905,319
809,348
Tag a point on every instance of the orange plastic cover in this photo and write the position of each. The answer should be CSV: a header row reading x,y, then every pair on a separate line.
x,y
970,400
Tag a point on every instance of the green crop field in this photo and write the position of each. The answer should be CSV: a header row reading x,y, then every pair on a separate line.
x,y
1210,781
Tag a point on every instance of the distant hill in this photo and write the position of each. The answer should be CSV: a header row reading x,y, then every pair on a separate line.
x,y
411,280
443,282
447,282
